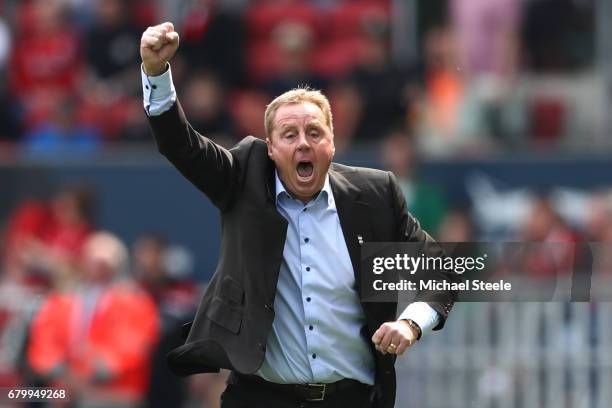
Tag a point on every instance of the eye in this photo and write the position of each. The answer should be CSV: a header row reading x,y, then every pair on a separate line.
x,y
289,135
314,133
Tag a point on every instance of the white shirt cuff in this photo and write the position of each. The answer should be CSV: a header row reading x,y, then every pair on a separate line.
x,y
422,314
158,92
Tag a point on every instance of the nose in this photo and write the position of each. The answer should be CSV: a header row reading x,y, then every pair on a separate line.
x,y
303,143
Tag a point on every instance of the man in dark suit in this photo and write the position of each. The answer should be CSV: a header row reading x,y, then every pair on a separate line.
x,y
282,310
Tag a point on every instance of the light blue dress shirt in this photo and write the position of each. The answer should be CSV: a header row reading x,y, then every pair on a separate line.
x,y
315,336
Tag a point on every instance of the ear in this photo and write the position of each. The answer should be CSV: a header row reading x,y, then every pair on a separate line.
x,y
270,149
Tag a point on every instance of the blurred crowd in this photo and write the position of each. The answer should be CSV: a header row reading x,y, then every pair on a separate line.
x,y
481,75
81,311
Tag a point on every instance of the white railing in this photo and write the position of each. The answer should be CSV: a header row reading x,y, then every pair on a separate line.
x,y
512,355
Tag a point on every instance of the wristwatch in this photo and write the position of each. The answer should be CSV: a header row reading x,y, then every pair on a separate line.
x,y
413,325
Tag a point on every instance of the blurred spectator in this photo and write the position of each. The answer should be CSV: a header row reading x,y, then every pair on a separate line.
x,y
46,60
487,36
248,108
424,201
72,213
62,133
112,46
431,14
43,241
96,339
555,255
205,103
440,105
382,87
486,32
213,39
166,274
112,83
544,224
293,46
25,226
346,108
449,120
348,27
267,23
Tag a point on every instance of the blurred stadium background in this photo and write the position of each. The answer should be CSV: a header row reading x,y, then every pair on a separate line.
x,y
494,115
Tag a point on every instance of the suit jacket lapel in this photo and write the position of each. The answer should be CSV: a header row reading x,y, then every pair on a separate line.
x,y
354,218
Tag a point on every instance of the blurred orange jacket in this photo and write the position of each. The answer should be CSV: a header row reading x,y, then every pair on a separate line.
x,y
107,349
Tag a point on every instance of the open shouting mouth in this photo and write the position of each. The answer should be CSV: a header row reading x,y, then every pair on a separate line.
x,y
305,170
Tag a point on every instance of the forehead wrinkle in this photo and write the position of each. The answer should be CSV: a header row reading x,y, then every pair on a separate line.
x,y
297,116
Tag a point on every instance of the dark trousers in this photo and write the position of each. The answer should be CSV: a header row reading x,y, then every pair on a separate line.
x,y
244,394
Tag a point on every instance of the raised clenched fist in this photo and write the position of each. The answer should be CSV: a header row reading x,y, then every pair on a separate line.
x,y
157,46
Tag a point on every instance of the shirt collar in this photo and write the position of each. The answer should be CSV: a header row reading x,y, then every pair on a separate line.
x,y
326,191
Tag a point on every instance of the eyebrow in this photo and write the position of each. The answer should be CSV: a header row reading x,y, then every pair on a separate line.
x,y
287,126
291,126
314,123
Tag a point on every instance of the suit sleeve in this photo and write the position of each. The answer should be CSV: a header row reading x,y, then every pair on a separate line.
x,y
408,229
210,167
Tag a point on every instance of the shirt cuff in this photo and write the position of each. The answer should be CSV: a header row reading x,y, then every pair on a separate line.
x,y
158,92
422,314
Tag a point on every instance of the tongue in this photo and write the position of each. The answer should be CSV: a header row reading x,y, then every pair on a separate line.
x,y
304,169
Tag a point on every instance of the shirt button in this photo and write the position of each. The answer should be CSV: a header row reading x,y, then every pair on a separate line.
x,y
146,86
311,327
306,240
308,269
305,209
314,355
154,86
308,299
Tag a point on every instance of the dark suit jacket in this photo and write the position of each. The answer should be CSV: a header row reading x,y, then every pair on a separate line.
x,y
236,312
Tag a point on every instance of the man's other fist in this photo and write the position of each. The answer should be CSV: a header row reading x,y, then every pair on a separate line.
x,y
157,46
